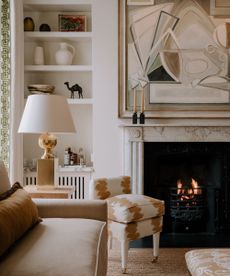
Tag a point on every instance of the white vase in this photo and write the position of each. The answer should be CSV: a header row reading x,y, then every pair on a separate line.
x,y
65,54
39,56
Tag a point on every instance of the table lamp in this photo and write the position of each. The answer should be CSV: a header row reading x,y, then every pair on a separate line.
x,y
46,114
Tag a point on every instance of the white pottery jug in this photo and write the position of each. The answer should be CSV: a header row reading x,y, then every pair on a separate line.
x,y
65,54
39,56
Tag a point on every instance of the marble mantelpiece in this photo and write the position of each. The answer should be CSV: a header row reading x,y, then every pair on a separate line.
x,y
135,136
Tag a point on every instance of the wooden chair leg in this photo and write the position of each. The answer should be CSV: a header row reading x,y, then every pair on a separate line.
x,y
156,241
124,255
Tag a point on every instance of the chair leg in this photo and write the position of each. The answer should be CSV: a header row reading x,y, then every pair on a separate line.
x,y
156,240
124,255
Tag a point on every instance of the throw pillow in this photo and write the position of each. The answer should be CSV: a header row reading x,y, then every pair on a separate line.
x,y
4,179
18,213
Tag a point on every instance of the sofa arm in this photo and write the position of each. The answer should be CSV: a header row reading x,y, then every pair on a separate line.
x,y
70,208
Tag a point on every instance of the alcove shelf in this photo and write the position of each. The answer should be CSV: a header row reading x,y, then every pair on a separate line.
x,y
79,72
59,68
56,36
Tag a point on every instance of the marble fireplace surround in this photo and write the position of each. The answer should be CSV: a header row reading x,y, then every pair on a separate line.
x,y
135,136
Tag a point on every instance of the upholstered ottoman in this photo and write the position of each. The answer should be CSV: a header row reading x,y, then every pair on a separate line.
x,y
208,262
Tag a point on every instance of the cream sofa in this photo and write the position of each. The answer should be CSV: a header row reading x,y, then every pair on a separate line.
x,y
70,240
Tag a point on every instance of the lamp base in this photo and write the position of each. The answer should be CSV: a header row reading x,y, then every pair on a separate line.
x,y
47,173
47,142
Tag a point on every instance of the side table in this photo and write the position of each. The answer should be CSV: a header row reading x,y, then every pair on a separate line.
x,y
45,193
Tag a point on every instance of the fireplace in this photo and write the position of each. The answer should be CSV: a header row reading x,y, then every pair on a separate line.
x,y
165,162
193,180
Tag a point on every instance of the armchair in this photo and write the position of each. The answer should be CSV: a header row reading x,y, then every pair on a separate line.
x,y
130,216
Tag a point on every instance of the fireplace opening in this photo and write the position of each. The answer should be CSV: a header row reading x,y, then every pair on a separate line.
x,y
187,205
194,181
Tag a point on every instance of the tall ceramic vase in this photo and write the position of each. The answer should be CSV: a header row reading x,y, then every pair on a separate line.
x,y
65,54
39,56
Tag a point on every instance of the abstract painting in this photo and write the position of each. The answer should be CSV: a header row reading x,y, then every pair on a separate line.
x,y
177,54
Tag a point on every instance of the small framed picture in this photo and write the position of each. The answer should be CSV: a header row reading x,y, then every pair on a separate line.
x,y
72,23
140,2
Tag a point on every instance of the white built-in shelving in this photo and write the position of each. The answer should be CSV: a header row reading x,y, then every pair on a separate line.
x,y
81,70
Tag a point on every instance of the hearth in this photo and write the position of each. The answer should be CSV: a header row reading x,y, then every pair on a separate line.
x,y
193,178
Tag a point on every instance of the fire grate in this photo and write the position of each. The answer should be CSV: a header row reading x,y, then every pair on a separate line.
x,y
187,206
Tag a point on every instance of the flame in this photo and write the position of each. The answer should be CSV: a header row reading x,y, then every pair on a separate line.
x,y
195,187
188,193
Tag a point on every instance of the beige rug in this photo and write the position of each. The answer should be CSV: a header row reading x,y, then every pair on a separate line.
x,y
171,262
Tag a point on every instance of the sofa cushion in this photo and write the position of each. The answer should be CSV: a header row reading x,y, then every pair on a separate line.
x,y
4,182
132,207
58,246
17,214
208,262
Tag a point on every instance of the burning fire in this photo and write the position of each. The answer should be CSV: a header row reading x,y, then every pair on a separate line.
x,y
188,192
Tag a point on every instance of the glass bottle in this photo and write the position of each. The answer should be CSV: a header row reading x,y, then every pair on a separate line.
x,y
67,156
81,157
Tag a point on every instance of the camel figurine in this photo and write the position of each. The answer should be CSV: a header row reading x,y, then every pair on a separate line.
x,y
74,88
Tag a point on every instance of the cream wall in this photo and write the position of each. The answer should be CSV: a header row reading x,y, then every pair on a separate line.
x,y
107,136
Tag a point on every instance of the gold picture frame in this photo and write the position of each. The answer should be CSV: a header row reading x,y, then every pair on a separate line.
x,y
140,2
220,7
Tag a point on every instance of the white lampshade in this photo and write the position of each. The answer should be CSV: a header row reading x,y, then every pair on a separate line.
x,y
46,113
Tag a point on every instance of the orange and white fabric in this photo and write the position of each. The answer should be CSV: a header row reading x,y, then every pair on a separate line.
x,y
208,262
103,188
134,230
133,207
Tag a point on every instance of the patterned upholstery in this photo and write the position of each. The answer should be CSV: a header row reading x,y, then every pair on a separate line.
x,y
130,216
129,207
103,188
208,262
134,231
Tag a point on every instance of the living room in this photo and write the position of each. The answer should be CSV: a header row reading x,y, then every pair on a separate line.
x,y
180,141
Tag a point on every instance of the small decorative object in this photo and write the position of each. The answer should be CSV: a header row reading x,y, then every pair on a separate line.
x,y
39,56
72,23
65,54
142,118
41,88
67,156
28,24
134,118
44,28
73,158
142,115
81,157
74,88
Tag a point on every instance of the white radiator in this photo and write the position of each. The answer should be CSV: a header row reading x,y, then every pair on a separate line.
x,y
78,180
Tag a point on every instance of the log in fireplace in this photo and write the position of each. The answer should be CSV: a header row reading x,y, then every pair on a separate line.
x,y
194,181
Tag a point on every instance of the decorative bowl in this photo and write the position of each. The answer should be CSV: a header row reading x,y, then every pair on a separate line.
x,y
41,88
